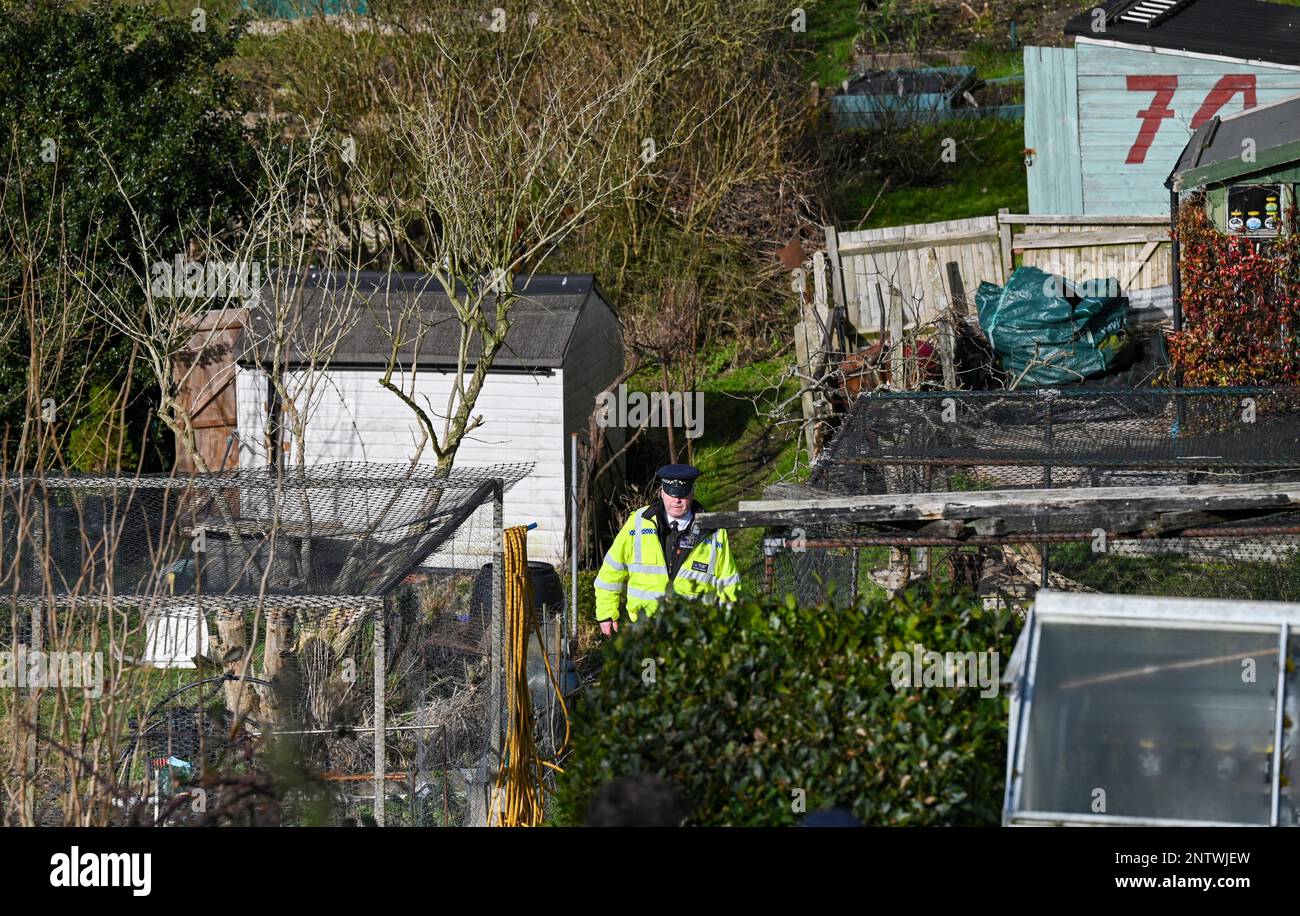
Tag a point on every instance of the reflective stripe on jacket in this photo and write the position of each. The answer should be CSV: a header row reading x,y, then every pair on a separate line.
x,y
635,566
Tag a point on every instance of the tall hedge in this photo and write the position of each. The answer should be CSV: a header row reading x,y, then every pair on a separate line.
x,y
743,707
90,94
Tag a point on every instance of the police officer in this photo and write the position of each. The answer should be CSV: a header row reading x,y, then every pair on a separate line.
x,y
663,546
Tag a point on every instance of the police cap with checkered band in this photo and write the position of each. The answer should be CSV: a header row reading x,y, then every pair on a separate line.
x,y
678,479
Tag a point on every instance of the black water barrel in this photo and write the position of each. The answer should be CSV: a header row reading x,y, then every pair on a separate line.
x,y
548,590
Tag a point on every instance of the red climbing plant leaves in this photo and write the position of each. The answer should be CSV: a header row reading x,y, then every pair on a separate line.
x,y
1241,304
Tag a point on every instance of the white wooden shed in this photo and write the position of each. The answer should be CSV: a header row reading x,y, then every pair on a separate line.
x,y
564,346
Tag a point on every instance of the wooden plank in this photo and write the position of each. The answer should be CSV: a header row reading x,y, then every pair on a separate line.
x,y
973,265
806,402
990,263
935,276
880,276
897,371
1004,243
833,254
851,273
920,304
1026,219
820,304
902,276
852,289
947,344
944,528
1167,522
1024,507
1143,257
1084,239
910,243
870,311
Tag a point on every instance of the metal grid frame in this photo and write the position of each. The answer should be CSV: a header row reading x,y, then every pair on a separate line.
x,y
1136,611
918,442
31,550
930,441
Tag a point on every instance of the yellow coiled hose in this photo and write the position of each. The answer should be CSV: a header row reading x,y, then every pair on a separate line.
x,y
519,797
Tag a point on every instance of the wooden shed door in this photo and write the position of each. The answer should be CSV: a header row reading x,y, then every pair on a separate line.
x,y
206,371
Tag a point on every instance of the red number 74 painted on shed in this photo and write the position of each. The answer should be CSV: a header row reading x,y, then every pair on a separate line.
x,y
1164,87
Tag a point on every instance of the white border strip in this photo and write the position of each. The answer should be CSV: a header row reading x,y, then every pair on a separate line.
x,y
1130,46
1225,612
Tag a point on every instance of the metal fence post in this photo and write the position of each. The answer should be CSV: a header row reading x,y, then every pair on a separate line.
x,y
574,536
497,695
380,711
1051,447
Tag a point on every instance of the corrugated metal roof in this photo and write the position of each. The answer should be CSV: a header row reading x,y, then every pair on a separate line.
x,y
1245,29
541,330
1222,140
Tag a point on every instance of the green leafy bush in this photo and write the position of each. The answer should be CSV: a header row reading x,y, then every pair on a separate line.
x,y
97,437
111,111
742,707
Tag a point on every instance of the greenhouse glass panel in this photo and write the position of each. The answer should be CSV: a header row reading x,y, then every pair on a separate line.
x,y
1167,722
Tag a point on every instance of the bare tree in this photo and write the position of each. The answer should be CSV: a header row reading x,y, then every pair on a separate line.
x,y
290,329
508,150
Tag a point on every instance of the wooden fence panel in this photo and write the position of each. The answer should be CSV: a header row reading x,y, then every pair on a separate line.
x,y
877,263
1140,264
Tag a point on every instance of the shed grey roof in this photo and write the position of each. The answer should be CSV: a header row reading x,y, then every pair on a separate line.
x,y
1222,140
541,331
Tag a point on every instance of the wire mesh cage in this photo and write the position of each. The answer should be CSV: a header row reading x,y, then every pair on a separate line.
x,y
970,441
928,441
239,617
836,563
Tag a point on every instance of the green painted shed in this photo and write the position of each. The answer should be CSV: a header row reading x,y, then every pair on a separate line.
x,y
1248,165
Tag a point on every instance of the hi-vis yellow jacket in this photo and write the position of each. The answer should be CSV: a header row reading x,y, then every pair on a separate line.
x,y
635,564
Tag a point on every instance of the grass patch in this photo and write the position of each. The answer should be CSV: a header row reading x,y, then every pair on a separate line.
x,y
989,173
832,31
991,61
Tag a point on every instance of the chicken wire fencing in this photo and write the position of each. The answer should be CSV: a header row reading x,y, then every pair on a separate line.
x,y
932,441
836,563
231,624
954,441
